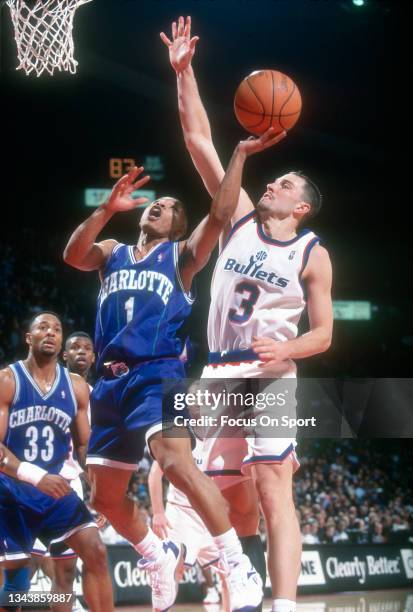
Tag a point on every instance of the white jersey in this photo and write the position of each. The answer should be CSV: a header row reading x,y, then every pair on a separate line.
x,y
256,287
175,496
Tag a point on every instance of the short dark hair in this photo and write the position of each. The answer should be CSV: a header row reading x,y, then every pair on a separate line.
x,y
311,193
43,312
78,334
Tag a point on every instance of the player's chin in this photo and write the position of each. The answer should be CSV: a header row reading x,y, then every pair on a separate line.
x,y
264,204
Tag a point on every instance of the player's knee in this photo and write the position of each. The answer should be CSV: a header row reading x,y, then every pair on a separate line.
x,y
95,558
178,471
64,575
103,503
245,524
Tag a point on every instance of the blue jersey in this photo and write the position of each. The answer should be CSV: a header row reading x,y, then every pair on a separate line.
x,y
141,305
39,422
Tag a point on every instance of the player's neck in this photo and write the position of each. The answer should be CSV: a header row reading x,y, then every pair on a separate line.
x,y
146,243
280,229
42,369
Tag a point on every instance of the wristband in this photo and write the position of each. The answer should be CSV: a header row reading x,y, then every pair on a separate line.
x,y
28,472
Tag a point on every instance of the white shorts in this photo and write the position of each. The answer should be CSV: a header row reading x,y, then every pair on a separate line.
x,y
229,459
189,528
40,550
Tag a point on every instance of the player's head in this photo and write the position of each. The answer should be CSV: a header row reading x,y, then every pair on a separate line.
x,y
164,218
79,353
44,334
292,194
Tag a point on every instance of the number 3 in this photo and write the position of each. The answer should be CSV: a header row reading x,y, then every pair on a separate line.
x,y
247,304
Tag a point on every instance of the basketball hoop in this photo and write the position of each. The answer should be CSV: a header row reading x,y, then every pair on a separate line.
x,y
44,35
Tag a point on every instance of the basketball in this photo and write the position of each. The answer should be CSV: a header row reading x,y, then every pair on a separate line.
x,y
267,98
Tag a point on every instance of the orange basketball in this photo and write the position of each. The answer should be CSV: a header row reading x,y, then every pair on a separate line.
x,y
267,98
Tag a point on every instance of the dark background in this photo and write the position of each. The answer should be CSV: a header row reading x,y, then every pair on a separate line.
x,y
59,133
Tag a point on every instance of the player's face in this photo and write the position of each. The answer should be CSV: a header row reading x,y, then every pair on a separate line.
x,y
282,196
160,218
45,335
79,355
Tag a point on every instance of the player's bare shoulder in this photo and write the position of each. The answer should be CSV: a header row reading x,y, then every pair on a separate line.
x,y
80,388
7,385
319,263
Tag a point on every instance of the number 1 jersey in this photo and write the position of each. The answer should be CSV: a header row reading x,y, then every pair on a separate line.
x,y
141,305
256,288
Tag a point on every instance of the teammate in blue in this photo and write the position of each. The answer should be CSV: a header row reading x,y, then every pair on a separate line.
x,y
40,402
144,299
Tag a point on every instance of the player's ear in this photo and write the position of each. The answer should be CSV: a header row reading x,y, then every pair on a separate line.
x,y
303,208
93,358
64,355
28,338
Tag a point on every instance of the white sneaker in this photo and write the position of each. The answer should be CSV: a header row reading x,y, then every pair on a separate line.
x,y
165,574
212,596
244,586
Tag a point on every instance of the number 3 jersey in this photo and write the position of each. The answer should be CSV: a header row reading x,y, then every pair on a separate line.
x,y
256,287
141,305
38,428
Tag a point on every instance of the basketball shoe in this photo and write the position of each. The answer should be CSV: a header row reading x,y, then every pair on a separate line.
x,y
164,574
244,584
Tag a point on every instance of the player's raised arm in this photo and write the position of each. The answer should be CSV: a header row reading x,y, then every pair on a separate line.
x,y
82,252
194,119
52,485
80,428
199,246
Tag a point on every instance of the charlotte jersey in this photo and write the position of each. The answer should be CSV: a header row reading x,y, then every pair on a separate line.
x,y
141,305
256,288
38,430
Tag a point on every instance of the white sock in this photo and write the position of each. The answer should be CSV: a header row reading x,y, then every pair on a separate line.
x,y
150,546
283,605
229,544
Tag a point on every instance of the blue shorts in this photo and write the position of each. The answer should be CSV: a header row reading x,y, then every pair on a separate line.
x,y
127,410
27,514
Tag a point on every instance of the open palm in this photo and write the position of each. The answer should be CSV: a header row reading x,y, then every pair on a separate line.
x,y
182,46
121,199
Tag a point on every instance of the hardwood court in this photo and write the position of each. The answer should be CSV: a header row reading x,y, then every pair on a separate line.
x,y
367,601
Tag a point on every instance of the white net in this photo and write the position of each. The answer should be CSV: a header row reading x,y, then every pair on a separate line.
x,y
44,34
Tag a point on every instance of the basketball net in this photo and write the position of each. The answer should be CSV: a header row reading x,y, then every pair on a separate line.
x,y
43,34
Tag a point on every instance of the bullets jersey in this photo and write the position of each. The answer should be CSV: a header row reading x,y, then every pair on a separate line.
x,y
256,287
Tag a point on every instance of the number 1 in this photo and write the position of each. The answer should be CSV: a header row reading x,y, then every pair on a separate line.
x,y
129,309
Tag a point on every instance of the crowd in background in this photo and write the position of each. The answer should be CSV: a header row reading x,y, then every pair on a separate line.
x,y
346,491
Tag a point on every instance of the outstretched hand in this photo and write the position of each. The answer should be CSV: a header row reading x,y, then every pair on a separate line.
x,y
182,46
120,199
268,139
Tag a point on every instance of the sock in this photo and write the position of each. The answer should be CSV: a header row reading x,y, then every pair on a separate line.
x,y
283,605
254,549
150,547
229,544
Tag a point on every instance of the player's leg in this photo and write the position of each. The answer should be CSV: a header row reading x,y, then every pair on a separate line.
x,y
64,576
244,516
16,579
108,496
16,542
175,459
97,584
274,487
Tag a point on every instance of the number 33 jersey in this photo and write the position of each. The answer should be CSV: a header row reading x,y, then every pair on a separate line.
x,y
39,423
256,287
